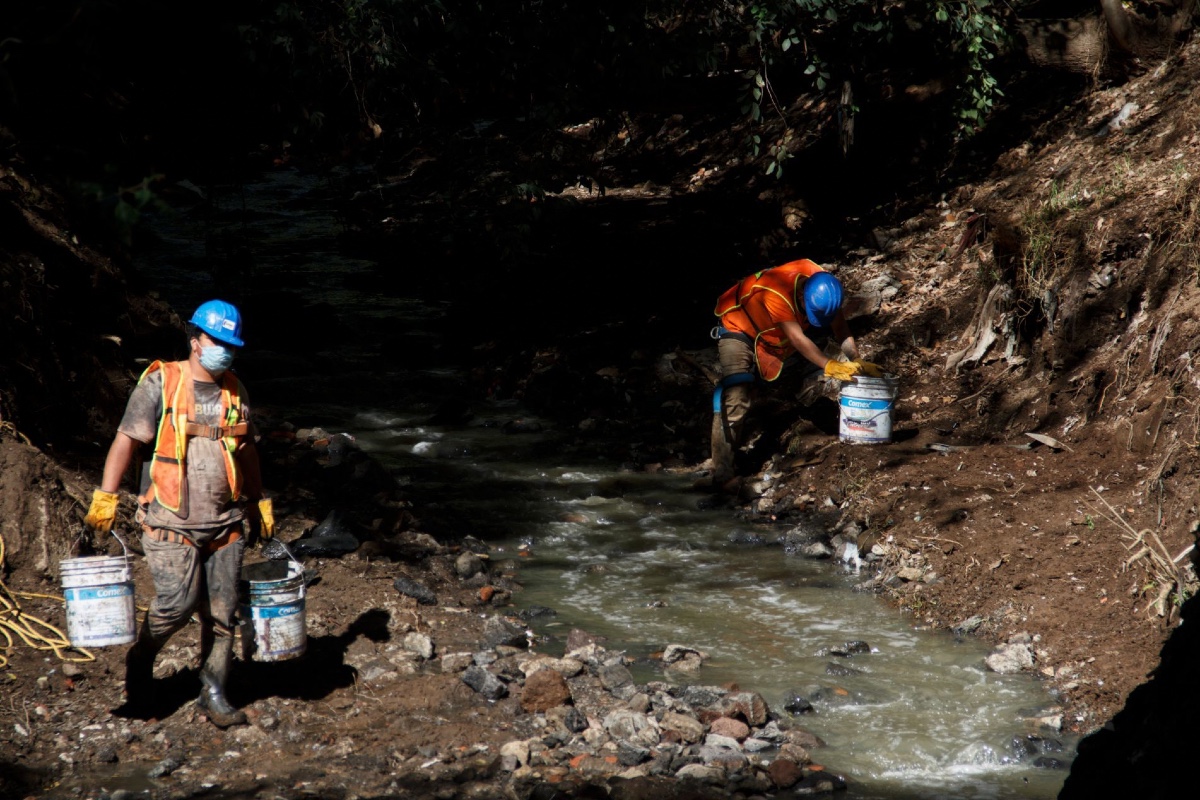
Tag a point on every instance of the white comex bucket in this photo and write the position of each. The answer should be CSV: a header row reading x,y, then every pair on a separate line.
x,y
272,611
99,595
866,409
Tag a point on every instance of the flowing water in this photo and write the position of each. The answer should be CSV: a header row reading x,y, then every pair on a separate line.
x,y
637,558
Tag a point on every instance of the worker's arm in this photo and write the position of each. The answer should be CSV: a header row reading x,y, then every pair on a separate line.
x,y
842,332
120,456
247,456
804,345
261,511
102,513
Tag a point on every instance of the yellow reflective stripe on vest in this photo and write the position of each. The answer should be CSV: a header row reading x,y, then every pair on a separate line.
x,y
168,470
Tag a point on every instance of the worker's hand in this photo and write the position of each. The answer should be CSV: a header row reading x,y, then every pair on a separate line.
x,y
869,369
266,513
103,511
841,370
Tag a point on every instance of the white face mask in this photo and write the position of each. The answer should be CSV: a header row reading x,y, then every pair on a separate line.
x,y
216,359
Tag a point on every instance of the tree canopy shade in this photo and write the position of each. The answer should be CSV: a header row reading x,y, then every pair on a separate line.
x,y
239,72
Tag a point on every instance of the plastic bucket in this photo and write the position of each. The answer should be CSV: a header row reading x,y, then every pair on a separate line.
x,y
866,409
99,595
272,611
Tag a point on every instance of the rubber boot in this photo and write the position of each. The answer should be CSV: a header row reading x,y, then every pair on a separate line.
x,y
722,453
139,666
214,676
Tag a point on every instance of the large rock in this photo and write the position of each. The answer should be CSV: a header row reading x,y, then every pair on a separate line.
x,y
567,667
468,565
419,644
544,690
784,773
732,728
614,676
632,728
690,729
419,592
682,658
484,682
701,773
749,706
499,632
1010,658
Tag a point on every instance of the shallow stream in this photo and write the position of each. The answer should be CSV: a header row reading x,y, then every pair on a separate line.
x,y
637,558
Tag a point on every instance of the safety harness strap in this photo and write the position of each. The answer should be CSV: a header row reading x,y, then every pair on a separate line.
x,y
216,432
721,332
736,379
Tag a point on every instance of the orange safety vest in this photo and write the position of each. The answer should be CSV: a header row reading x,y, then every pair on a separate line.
x,y
743,310
168,472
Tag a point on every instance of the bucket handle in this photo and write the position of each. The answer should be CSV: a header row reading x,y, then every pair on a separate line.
x,y
299,564
124,547
85,539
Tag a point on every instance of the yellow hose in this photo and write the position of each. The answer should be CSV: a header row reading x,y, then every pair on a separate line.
x,y
35,632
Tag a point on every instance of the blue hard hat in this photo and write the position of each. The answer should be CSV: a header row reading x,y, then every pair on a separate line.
x,y
220,320
822,299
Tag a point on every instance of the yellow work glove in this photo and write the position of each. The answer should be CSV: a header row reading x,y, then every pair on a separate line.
x,y
869,369
841,370
103,511
266,512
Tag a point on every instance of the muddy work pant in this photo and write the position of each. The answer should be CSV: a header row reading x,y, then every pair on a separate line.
x,y
729,418
190,579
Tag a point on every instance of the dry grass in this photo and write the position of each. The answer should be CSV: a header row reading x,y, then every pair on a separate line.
x,y
1168,578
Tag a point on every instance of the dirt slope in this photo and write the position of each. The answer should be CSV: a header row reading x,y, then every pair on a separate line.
x,y
1058,297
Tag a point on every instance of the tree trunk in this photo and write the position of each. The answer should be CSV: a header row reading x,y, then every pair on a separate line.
x,y
1084,44
1076,45
1120,24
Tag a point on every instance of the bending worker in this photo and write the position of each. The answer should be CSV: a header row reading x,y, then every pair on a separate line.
x,y
200,493
767,318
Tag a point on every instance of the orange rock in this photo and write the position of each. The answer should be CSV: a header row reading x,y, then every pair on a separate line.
x,y
577,760
486,592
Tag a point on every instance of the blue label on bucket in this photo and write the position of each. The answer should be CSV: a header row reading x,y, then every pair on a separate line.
x,y
869,405
272,612
98,592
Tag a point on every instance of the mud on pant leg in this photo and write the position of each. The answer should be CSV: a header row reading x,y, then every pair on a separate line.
x,y
218,603
736,357
177,575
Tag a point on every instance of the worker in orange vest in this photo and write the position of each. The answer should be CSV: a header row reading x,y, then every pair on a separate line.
x,y
766,319
201,495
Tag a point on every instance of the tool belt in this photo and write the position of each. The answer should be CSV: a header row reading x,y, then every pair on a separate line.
x,y
216,432
175,537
